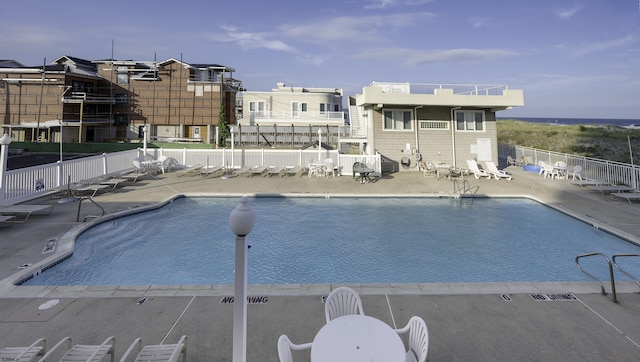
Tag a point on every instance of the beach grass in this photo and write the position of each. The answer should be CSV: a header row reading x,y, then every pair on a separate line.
x,y
603,142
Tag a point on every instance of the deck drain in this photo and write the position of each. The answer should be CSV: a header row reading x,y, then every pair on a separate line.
x,y
554,297
140,301
506,297
50,246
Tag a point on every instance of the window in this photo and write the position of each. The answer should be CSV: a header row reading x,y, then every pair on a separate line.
x,y
336,108
123,76
397,120
297,107
469,120
120,120
121,98
325,107
258,108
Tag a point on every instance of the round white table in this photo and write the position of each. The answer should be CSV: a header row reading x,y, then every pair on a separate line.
x,y
357,338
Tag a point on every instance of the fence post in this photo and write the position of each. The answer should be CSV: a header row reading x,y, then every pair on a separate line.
x,y
184,156
4,154
105,167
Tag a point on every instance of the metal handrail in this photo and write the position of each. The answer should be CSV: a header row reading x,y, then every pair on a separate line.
x,y
613,258
80,199
465,189
613,284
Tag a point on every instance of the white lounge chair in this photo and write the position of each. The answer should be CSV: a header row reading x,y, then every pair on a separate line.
x,y
609,189
275,171
342,301
82,352
211,170
191,170
293,170
418,339
24,354
629,196
257,170
428,169
477,172
160,352
513,162
285,346
25,211
498,174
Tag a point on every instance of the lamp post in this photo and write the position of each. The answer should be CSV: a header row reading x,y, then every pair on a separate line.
x,y
241,221
319,144
4,152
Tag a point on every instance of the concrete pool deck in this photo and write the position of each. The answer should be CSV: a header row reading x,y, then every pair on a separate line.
x,y
481,322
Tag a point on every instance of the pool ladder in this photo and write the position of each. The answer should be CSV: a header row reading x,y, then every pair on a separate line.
x,y
466,190
610,262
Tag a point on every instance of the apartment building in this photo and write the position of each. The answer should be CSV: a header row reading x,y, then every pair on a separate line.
x,y
113,100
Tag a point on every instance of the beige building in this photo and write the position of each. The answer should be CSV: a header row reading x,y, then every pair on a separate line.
x,y
408,122
297,106
112,100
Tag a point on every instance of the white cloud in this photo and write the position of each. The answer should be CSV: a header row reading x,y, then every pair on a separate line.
x,y
361,29
248,40
601,46
479,22
421,57
566,13
380,4
383,4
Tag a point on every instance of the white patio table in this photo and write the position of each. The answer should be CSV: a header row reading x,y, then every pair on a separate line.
x,y
356,338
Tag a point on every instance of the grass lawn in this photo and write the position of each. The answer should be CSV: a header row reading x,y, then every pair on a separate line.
x,y
609,143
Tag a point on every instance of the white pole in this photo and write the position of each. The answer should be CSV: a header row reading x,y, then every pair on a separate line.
x,y
4,153
240,302
319,144
144,140
241,221
60,141
232,147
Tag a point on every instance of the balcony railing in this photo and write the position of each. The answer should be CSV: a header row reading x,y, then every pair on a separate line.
x,y
307,116
82,97
461,89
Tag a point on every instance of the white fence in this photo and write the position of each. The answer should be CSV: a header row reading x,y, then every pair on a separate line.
x,y
28,183
592,168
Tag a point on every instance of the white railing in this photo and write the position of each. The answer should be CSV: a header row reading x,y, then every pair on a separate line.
x,y
28,183
299,115
421,88
596,169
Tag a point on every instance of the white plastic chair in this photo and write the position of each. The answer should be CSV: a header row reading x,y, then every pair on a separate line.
x,y
158,353
576,173
24,354
418,339
328,167
342,301
82,352
285,346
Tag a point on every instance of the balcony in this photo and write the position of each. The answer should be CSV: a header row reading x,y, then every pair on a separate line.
x,y
297,118
82,97
497,97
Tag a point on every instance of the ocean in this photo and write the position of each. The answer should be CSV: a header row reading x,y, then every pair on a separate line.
x,y
568,121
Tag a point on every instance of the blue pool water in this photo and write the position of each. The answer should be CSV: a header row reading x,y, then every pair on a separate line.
x,y
341,240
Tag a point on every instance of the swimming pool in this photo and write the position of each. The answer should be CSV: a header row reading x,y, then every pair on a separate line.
x,y
340,240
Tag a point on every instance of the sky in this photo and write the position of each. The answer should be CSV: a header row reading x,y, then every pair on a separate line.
x,y
571,58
